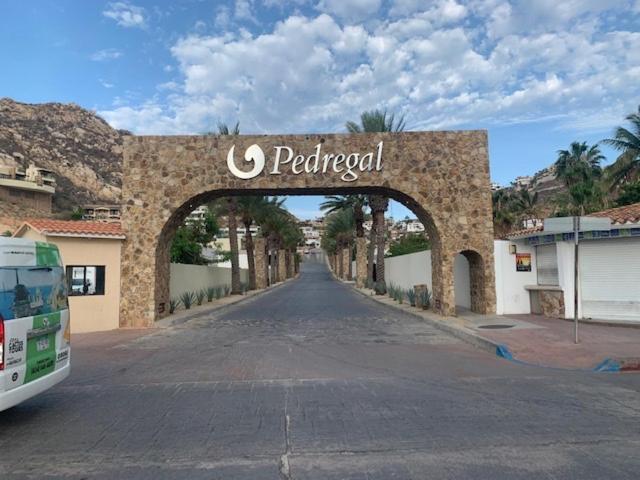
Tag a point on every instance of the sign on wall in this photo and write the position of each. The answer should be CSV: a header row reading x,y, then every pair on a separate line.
x,y
523,262
315,162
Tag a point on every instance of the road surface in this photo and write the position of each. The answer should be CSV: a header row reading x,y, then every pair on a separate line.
x,y
314,381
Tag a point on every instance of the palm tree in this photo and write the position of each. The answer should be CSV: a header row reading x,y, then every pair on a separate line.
x,y
356,203
339,227
250,210
627,141
274,224
229,206
378,205
526,204
578,164
378,121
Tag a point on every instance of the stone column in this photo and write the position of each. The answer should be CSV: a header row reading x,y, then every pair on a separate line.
x,y
261,263
443,299
289,264
346,259
361,262
282,265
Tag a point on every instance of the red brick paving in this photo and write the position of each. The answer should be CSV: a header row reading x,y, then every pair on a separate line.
x,y
553,344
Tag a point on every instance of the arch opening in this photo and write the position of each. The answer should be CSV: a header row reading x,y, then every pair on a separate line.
x,y
162,252
469,278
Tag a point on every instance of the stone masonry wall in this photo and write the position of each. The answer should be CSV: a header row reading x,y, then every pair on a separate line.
x,y
442,176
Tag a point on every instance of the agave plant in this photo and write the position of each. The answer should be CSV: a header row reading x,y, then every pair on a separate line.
x,y
187,299
411,296
227,290
425,299
200,296
173,305
211,292
218,292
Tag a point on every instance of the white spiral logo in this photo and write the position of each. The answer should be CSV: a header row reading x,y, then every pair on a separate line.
x,y
253,154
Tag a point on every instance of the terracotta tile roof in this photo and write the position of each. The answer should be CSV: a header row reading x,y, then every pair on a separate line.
x,y
621,215
75,228
629,214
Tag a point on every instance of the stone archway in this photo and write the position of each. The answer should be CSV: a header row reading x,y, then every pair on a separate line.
x,y
442,176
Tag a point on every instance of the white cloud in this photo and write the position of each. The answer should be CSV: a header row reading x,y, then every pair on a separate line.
x,y
244,10
125,14
440,66
106,84
351,10
106,54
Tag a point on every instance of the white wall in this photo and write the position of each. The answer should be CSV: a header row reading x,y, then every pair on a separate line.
x,y
462,279
405,271
242,260
191,278
511,296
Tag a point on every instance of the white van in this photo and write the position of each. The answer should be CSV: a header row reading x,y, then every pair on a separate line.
x,y
34,320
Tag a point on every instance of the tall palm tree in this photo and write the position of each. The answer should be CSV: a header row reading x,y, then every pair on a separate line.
x,y
378,205
249,209
527,204
339,227
627,141
356,203
378,121
230,207
503,212
274,224
578,164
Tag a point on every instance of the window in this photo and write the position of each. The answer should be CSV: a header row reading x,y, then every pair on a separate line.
x,y
29,291
86,280
547,264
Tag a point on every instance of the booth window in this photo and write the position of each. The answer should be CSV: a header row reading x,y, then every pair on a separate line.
x,y
86,280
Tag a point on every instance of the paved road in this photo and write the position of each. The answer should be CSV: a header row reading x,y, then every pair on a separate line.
x,y
313,381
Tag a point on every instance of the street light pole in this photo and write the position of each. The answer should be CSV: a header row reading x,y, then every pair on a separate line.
x,y
576,234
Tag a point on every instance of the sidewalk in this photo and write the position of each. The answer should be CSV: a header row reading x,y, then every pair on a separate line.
x,y
537,340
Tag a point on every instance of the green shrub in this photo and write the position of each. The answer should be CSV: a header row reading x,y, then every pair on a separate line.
x,y
219,292
411,296
173,305
211,292
187,299
227,290
200,296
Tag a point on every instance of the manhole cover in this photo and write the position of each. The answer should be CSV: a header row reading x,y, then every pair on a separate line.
x,y
495,326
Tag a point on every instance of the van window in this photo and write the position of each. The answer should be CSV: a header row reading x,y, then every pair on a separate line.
x,y
28,291
87,280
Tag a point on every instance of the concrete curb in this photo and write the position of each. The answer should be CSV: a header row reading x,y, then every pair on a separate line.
x,y
199,311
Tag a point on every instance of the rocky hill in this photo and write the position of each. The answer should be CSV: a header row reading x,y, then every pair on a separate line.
x,y
82,150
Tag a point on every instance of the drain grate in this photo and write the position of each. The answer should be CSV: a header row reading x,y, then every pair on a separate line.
x,y
495,326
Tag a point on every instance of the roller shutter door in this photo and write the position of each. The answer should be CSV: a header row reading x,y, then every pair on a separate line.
x,y
610,279
547,264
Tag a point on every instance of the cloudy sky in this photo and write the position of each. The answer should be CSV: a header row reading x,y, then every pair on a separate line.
x,y
536,74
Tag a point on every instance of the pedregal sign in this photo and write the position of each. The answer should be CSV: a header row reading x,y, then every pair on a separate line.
x,y
284,158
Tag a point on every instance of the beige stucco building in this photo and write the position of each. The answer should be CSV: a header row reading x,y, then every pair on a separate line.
x,y
91,255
